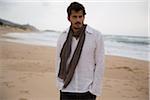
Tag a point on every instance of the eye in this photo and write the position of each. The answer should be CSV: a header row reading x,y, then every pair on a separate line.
x,y
80,16
74,16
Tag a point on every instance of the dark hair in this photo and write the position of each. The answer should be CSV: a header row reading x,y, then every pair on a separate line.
x,y
76,7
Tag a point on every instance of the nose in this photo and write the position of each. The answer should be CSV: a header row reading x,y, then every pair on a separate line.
x,y
78,19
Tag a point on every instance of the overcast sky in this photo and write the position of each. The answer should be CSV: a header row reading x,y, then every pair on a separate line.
x,y
128,17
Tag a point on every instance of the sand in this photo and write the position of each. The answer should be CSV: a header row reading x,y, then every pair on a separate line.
x,y
27,72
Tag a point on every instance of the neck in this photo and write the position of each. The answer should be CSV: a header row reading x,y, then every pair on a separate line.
x,y
75,30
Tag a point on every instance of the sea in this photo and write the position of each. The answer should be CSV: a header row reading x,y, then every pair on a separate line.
x,y
137,47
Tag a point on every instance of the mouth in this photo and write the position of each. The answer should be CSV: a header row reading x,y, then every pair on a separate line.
x,y
78,23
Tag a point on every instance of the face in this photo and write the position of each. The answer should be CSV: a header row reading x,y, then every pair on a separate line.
x,y
76,19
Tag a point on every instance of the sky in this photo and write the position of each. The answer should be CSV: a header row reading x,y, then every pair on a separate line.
x,y
123,17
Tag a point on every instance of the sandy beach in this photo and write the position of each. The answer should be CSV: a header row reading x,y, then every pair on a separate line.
x,y
28,73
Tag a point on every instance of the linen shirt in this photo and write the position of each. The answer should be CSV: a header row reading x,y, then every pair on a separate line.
x,y
89,71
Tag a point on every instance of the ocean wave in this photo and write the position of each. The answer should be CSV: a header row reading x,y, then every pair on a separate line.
x,y
128,39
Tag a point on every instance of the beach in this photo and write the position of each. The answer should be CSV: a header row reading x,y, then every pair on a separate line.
x,y
28,73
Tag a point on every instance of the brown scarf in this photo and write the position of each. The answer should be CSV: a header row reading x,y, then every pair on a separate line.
x,y
66,71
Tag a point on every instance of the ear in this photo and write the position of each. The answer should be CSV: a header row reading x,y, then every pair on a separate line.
x,y
83,17
68,18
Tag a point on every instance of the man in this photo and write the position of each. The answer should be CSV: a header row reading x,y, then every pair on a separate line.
x,y
80,58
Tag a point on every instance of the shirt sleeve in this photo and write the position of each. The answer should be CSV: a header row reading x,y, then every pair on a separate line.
x,y
96,87
57,62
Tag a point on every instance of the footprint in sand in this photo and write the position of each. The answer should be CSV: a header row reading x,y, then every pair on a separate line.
x,y
23,78
125,68
23,99
8,84
24,92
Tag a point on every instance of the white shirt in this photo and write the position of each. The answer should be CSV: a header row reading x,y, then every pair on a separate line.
x,y
89,71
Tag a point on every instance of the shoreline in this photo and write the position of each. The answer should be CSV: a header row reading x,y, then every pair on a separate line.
x,y
28,73
140,59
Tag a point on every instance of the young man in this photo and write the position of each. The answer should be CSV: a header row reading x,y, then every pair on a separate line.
x,y
80,58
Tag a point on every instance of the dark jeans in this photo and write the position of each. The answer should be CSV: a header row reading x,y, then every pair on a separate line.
x,y
77,96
